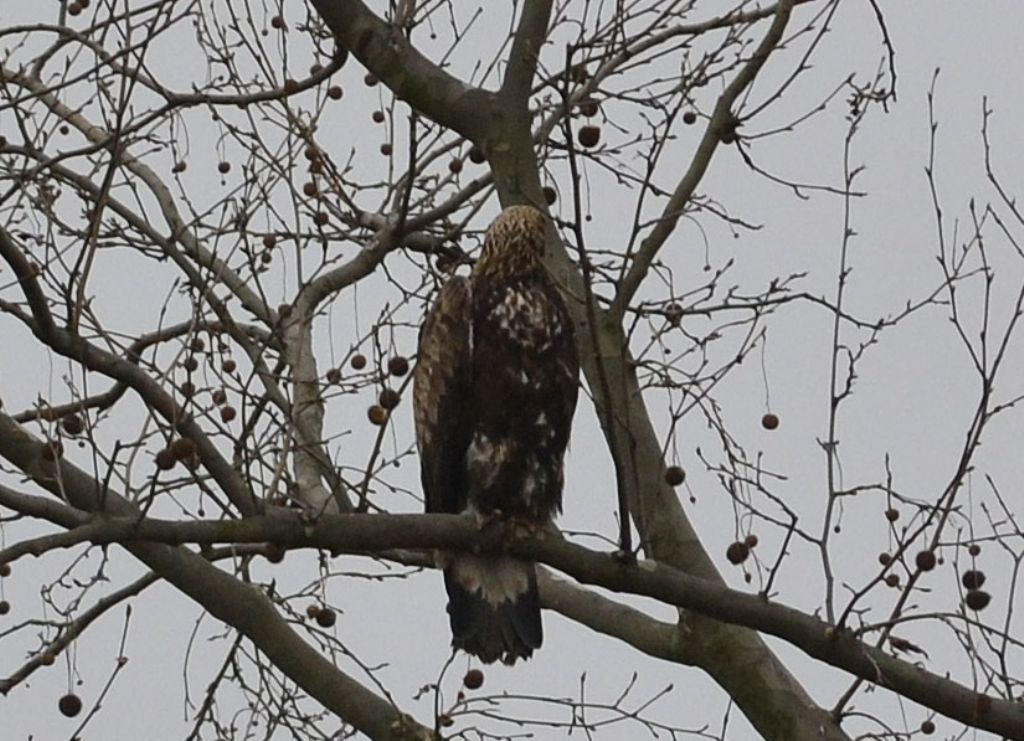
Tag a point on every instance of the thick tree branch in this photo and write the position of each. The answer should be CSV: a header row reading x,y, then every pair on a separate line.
x,y
522,61
386,52
245,607
586,607
363,534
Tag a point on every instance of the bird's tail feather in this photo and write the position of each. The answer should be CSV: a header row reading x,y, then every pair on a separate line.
x,y
494,607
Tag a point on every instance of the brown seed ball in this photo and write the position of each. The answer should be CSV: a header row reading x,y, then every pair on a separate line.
x,y
309,189
892,580
312,611
473,680
334,375
320,218
291,86
588,108
445,720
74,9
378,116
70,705
476,155
316,68
188,389
326,618
47,659
179,166
455,167
165,459
689,118
269,240
751,540
73,424
183,448
389,399
228,366
190,364
377,415
892,514
228,413
334,92
770,421
358,361
885,559
370,79
386,149
311,153
925,560
224,168
974,549
589,135
274,552
973,579
5,607
219,396
277,22
5,569
737,553
398,366
977,599
674,475
550,195
197,344
927,728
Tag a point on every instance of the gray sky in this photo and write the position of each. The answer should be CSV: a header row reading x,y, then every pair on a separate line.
x,y
913,400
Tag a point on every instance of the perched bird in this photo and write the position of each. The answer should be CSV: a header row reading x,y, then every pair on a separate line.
x,y
495,390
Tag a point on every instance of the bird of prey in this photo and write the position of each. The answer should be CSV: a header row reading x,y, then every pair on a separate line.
x,y
495,390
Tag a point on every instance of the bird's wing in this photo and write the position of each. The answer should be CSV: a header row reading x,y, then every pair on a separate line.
x,y
442,394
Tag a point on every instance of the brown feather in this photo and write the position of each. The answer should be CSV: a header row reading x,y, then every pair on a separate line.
x,y
496,386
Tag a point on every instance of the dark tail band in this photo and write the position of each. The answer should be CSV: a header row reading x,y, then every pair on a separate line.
x,y
492,622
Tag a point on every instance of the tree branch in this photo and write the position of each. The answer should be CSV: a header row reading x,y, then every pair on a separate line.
x,y
522,61
245,607
641,631
386,52
367,534
73,629
722,122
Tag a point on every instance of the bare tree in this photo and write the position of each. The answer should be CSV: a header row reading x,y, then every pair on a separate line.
x,y
209,268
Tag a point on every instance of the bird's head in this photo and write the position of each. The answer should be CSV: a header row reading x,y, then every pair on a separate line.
x,y
514,243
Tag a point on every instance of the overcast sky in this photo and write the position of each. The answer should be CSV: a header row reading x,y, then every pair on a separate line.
x,y
913,400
